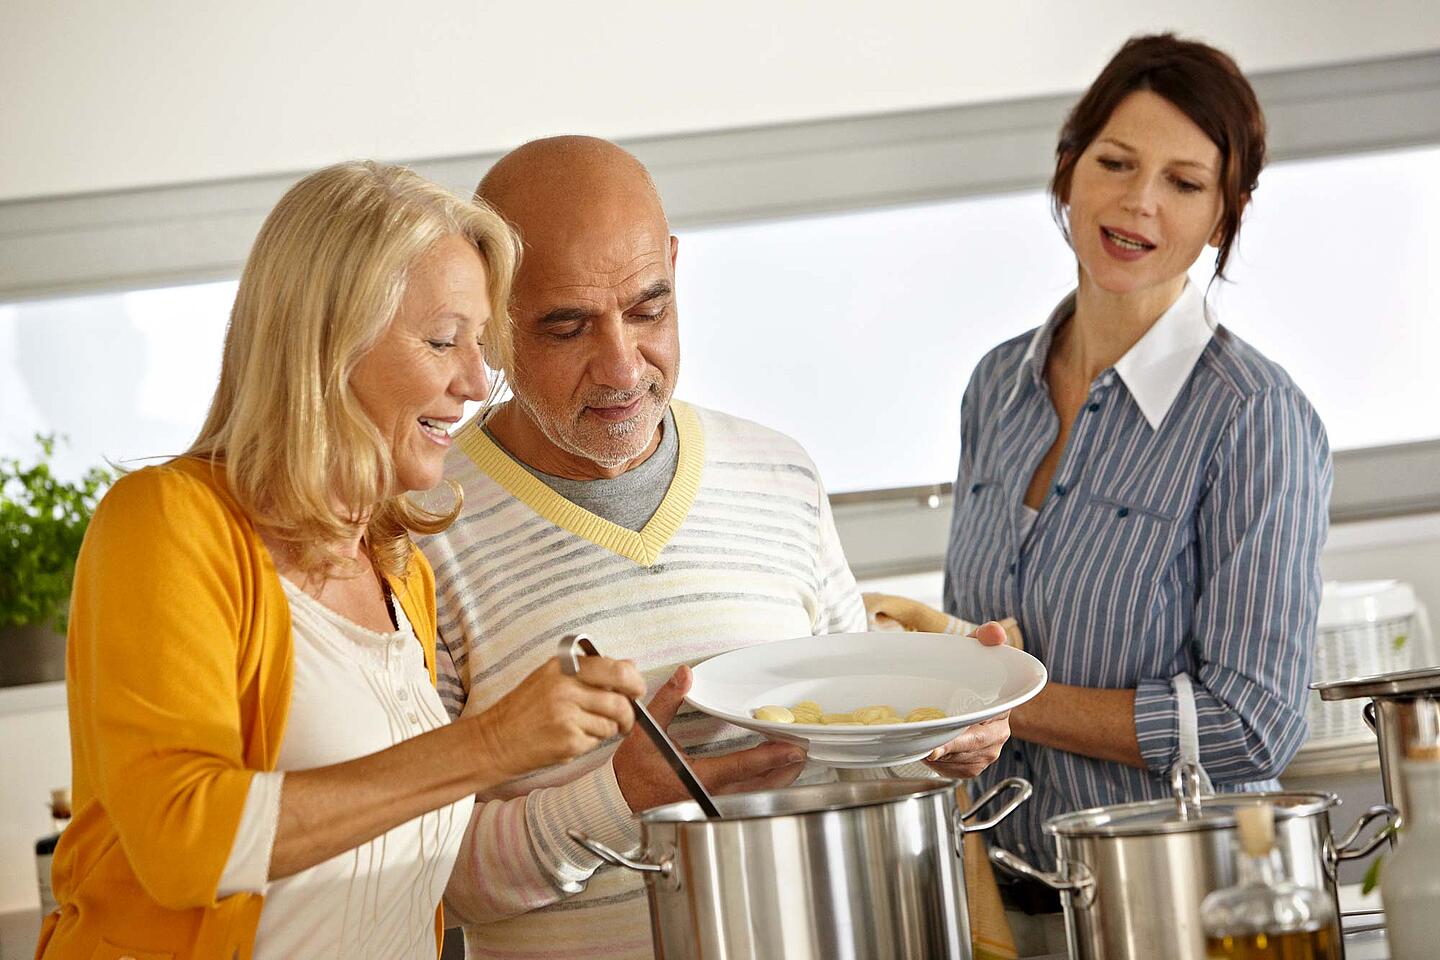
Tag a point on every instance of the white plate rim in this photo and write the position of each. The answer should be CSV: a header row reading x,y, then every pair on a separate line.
x,y
820,730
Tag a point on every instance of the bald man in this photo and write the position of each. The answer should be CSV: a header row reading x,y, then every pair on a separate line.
x,y
595,502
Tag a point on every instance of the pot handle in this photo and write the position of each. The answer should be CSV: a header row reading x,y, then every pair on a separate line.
x,y
663,868
1344,849
1077,879
1368,712
1022,790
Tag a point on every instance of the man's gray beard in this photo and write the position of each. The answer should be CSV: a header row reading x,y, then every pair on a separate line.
x,y
624,427
609,461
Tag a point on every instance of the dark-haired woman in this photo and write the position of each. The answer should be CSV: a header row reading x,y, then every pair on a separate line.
x,y
1143,490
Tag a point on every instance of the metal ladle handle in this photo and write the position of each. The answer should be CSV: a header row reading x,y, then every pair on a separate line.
x,y
571,647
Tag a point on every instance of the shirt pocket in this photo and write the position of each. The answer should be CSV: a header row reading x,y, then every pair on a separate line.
x,y
1135,539
980,513
1126,507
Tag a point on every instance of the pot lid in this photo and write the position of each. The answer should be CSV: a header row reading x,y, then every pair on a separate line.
x,y
1155,817
1406,683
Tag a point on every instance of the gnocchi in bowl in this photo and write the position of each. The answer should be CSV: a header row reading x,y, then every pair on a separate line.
x,y
808,711
844,693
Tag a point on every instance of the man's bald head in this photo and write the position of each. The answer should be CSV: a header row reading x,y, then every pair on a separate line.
x,y
596,341
558,181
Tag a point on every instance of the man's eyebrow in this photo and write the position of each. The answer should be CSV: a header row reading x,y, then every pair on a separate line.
x,y
656,290
565,315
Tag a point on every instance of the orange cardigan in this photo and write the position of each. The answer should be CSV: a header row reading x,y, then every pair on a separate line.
x,y
178,674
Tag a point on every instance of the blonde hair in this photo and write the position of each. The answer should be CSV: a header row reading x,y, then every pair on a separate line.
x,y
323,282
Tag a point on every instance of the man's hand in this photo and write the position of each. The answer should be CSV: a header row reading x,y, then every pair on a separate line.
x,y
646,780
978,745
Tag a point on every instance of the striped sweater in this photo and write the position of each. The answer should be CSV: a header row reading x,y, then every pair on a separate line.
x,y
742,550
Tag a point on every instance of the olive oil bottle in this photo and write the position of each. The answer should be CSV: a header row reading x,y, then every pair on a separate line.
x,y
1266,916
1305,945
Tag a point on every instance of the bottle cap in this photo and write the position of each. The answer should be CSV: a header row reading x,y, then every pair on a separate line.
x,y
1256,823
60,803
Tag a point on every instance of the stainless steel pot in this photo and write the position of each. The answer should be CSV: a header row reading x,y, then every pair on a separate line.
x,y
1132,876
1404,713
863,870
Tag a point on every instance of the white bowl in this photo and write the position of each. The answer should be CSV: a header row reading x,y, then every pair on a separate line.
x,y
845,671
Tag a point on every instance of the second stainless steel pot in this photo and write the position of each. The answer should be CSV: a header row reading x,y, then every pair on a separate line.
x,y
1404,713
864,870
1132,876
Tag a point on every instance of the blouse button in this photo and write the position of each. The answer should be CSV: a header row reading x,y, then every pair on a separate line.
x,y
1061,489
1123,512
402,693
412,718
1093,407
976,487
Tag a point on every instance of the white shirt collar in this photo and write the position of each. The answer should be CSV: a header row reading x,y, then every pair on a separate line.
x,y
1154,369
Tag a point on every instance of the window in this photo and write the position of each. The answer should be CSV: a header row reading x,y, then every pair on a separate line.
x,y
856,333
122,375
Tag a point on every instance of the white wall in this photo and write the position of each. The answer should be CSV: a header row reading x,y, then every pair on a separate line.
x,y
34,759
103,95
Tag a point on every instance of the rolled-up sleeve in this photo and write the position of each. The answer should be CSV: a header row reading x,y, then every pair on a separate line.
x,y
1262,523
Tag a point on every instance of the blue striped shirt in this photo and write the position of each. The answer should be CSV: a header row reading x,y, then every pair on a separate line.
x,y
1182,532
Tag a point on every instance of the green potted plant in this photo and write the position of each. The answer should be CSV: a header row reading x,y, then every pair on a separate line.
x,y
42,522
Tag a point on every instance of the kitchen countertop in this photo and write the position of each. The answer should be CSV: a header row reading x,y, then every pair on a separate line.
x,y
20,930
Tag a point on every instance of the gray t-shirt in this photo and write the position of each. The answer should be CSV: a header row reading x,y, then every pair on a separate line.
x,y
632,498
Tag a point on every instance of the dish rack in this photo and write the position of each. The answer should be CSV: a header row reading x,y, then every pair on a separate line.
x,y
1365,627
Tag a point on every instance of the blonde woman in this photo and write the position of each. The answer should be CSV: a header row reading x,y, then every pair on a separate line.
x,y
262,766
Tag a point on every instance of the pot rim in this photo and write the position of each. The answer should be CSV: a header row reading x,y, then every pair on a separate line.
x,y
688,811
1079,823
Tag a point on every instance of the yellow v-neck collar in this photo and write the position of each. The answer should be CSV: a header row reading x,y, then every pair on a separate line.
x,y
642,546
